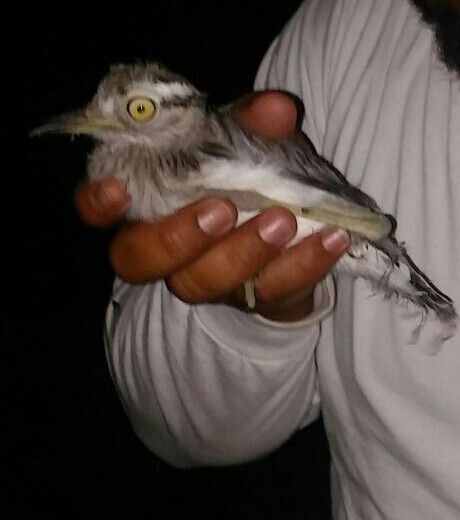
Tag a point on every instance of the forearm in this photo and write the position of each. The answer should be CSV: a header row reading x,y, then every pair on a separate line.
x,y
208,384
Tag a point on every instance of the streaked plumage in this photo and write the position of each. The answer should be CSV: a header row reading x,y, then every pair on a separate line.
x,y
156,132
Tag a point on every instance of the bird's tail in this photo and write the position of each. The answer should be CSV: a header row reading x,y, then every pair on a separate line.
x,y
388,265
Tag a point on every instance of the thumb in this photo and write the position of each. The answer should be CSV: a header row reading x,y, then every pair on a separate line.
x,y
272,114
102,203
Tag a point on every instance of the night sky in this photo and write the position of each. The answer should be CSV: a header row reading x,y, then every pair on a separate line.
x,y
69,450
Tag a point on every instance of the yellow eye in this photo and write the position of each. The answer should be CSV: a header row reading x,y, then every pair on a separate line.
x,y
141,109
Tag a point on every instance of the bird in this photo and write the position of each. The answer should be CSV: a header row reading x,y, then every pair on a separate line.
x,y
169,145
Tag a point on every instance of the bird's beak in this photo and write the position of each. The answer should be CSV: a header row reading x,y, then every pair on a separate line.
x,y
79,122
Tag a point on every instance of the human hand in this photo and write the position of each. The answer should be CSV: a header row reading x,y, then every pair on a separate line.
x,y
200,253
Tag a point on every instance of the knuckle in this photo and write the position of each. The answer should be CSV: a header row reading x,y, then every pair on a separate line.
x,y
310,263
187,288
293,271
176,243
244,259
272,287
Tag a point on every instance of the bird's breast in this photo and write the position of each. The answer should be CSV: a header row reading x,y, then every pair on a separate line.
x,y
156,183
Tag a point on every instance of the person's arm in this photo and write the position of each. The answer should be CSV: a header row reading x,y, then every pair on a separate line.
x,y
205,383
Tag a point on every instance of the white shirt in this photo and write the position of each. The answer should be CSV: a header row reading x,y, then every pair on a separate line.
x,y
207,384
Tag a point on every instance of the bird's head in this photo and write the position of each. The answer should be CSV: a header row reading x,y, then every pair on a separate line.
x,y
144,104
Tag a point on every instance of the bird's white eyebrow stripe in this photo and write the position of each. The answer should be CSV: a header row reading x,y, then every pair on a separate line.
x,y
174,91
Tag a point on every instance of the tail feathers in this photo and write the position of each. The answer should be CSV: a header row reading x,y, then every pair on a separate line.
x,y
428,296
392,271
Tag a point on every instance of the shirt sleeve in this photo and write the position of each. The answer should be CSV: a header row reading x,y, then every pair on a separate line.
x,y
208,384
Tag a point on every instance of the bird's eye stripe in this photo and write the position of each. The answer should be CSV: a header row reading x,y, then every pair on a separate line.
x,y
181,101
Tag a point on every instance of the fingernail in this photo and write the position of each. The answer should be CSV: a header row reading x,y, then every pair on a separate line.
x,y
276,231
335,240
216,219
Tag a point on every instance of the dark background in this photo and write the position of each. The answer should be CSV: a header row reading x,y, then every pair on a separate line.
x,y
68,448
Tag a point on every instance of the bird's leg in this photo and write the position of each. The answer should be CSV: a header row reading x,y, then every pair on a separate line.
x,y
364,222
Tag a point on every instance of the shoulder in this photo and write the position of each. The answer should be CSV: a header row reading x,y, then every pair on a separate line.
x,y
323,32
328,46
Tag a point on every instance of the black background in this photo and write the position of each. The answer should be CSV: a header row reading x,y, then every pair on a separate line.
x,y
69,450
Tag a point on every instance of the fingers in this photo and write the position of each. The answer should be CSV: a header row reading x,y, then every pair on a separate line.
x,y
236,258
272,114
302,266
284,282
101,204
148,251
284,288
204,259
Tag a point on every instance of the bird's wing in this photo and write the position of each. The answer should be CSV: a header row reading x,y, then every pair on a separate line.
x,y
296,156
255,172
304,163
